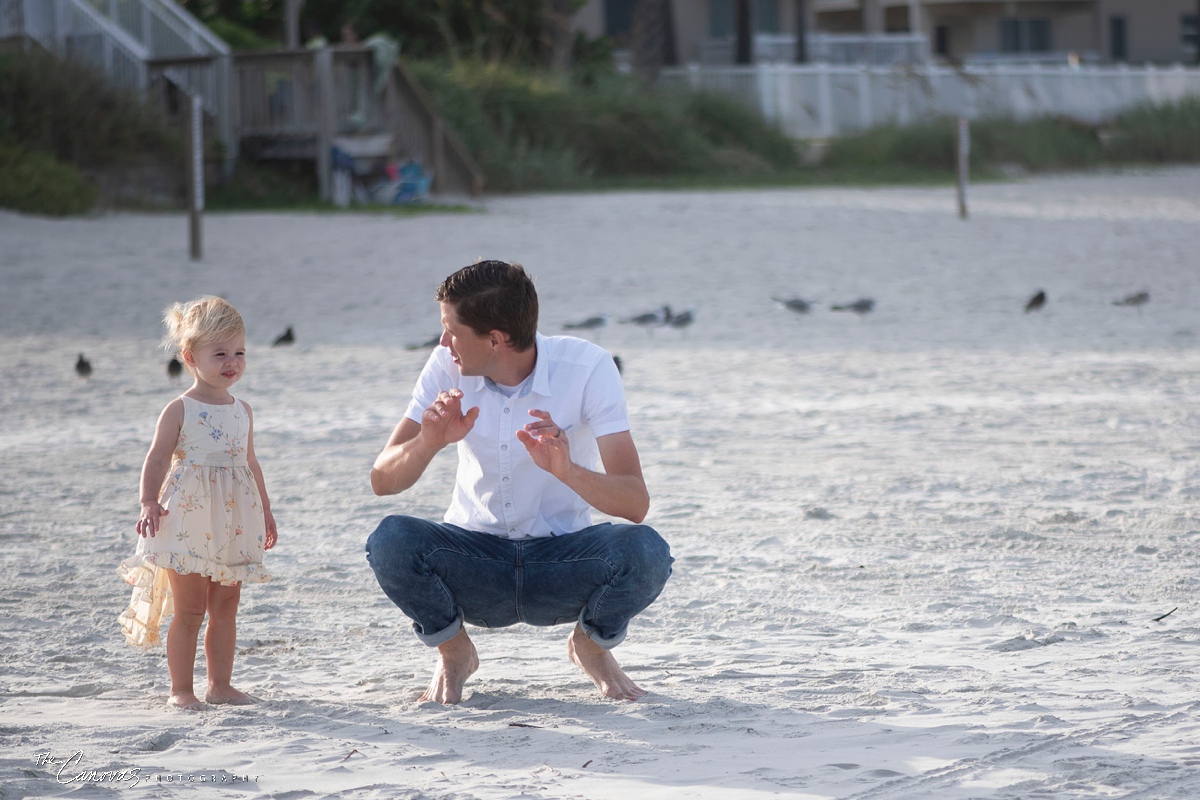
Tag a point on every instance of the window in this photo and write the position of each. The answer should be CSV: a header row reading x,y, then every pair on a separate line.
x,y
1010,36
766,16
1025,36
1118,38
722,20
941,40
1039,36
1189,31
618,17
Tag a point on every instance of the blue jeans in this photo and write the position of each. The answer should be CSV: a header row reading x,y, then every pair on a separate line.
x,y
441,575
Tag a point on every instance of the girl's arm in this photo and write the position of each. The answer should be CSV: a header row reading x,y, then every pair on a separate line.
x,y
256,470
158,461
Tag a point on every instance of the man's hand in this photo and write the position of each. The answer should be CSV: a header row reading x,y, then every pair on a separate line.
x,y
444,422
547,444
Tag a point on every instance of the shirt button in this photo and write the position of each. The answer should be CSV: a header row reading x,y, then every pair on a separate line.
x,y
506,411
508,505
503,447
506,479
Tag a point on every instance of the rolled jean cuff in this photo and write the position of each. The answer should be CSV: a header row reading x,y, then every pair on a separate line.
x,y
439,637
594,634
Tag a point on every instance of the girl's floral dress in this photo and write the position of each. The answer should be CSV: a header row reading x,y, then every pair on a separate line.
x,y
215,526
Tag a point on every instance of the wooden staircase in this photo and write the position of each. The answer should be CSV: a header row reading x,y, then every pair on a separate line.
x,y
273,104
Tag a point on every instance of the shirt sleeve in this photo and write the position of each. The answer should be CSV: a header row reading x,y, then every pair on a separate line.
x,y
604,406
433,379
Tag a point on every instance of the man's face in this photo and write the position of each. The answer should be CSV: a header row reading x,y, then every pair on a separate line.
x,y
473,354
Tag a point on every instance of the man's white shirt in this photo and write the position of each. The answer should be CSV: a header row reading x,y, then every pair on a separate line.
x,y
498,489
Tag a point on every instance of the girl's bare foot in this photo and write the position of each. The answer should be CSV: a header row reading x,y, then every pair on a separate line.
x,y
228,696
185,701
602,668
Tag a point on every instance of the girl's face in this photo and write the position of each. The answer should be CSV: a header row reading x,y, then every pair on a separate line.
x,y
218,364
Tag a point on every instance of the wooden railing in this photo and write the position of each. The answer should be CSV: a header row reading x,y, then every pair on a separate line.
x,y
295,103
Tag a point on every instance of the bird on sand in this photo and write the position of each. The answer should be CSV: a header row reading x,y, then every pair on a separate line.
x,y
1139,299
797,304
682,320
591,323
287,337
83,367
650,319
174,367
1036,302
864,305
431,342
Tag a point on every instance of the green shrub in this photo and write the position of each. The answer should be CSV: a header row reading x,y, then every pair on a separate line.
x,y
1158,134
531,130
35,183
69,111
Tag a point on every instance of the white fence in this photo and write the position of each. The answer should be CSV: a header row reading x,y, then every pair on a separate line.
x,y
821,100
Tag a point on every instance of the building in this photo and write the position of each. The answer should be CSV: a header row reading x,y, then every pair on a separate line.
x,y
1109,31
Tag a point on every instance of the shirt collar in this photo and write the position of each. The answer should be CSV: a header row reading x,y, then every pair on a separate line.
x,y
541,373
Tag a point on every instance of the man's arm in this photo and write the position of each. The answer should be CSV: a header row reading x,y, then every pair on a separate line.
x,y
413,445
619,491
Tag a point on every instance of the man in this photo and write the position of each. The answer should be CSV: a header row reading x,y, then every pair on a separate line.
x,y
530,415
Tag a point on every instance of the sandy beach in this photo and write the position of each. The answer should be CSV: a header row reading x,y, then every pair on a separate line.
x,y
944,549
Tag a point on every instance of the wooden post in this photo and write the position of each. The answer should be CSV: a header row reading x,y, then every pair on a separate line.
x,y
195,176
326,123
801,31
964,153
291,24
744,32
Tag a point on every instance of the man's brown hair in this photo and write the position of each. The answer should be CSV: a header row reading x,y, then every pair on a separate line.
x,y
494,296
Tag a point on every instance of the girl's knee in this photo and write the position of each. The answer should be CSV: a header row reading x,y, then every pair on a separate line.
x,y
187,620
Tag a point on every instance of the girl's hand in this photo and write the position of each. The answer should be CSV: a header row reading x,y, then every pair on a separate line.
x,y
149,521
272,532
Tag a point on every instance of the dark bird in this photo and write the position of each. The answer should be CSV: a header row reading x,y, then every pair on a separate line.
x,y
83,367
650,318
433,342
1139,299
682,320
863,305
620,366
591,323
797,304
174,367
287,337
1036,302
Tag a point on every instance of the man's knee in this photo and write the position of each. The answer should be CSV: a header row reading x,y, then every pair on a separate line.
x,y
394,543
644,551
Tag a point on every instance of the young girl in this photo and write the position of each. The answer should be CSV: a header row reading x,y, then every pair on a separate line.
x,y
205,517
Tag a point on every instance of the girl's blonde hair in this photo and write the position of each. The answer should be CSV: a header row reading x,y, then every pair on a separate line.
x,y
202,321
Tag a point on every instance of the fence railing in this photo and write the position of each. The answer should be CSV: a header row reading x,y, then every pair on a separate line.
x,y
822,100
75,31
121,38
295,103
166,31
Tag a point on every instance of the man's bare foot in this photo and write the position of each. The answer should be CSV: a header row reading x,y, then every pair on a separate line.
x,y
458,662
228,696
602,668
185,701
